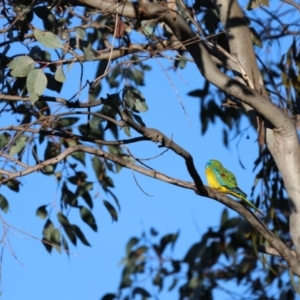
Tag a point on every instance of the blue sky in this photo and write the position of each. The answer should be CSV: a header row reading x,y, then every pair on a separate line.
x,y
29,272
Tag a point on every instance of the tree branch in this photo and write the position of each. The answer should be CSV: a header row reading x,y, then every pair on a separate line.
x,y
69,136
206,191
271,251
101,153
184,34
158,137
291,2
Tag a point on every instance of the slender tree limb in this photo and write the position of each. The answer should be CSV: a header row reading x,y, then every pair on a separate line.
x,y
183,32
271,250
280,247
105,117
291,2
207,192
8,226
16,161
69,135
158,137
101,153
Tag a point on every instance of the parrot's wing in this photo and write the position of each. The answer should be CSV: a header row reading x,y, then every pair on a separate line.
x,y
231,183
231,179
228,178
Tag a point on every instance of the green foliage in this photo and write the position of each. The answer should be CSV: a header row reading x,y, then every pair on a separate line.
x,y
4,139
36,83
14,185
42,212
4,205
59,74
88,217
18,145
221,255
48,18
21,66
47,234
134,99
112,211
48,39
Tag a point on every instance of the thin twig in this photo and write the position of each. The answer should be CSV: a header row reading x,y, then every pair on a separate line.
x,y
33,237
291,2
65,134
139,185
16,161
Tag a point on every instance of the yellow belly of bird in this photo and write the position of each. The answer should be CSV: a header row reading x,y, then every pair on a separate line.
x,y
213,182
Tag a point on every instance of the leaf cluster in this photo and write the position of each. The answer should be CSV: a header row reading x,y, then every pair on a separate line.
x,y
224,254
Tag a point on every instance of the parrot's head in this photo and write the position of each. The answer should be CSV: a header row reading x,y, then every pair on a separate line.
x,y
212,163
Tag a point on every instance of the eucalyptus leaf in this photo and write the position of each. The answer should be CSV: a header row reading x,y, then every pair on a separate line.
x,y
4,139
80,156
4,205
18,145
36,83
80,35
89,52
13,184
80,235
42,212
98,167
88,217
48,39
63,220
131,243
59,74
112,211
135,99
21,66
55,239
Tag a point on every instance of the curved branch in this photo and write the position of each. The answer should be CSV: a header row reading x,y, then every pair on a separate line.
x,y
158,137
114,54
291,2
224,82
271,251
280,247
101,153
105,117
206,191
198,51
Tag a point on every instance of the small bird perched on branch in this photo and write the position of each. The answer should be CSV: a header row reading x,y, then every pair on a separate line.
x,y
224,181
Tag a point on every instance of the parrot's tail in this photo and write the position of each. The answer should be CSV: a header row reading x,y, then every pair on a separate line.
x,y
237,191
241,195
